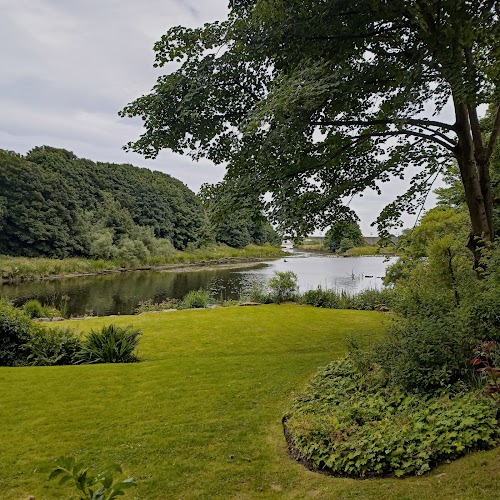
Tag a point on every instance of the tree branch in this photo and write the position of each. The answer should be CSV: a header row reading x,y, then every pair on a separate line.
x,y
412,133
358,36
404,121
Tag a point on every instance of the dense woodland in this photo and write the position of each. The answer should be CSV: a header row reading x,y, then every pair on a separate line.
x,y
54,204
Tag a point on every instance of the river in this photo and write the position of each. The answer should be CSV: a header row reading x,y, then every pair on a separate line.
x,y
121,293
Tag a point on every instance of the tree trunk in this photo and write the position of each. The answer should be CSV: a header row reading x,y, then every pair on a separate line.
x,y
477,185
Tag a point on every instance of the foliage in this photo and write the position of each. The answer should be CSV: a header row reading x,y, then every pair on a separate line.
x,y
16,330
283,286
196,299
57,205
53,346
67,469
351,423
149,305
314,103
34,309
343,230
345,244
40,214
369,300
259,293
236,228
110,344
426,353
486,361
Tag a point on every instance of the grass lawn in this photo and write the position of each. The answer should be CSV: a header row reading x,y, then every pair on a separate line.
x,y
201,416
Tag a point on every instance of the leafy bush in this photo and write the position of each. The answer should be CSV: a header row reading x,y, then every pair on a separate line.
x,y
16,330
426,353
34,309
149,305
259,293
369,300
345,244
329,299
66,469
53,346
196,299
111,344
351,423
283,286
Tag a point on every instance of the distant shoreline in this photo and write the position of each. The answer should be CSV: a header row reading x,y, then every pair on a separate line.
x,y
234,263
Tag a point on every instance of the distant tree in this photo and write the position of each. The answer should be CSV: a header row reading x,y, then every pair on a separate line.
x,y
55,204
239,226
152,199
39,214
314,101
343,230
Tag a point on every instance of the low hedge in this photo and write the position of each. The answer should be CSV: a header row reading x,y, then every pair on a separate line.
x,y
350,423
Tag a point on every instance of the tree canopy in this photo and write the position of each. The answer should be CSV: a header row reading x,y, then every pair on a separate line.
x,y
343,230
237,228
316,101
55,204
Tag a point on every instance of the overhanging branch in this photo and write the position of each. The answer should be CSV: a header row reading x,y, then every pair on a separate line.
x,y
404,121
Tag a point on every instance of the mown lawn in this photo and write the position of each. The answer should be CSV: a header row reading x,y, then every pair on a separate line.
x,y
201,416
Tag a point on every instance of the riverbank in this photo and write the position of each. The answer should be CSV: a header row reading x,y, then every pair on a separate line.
x,y
364,251
21,269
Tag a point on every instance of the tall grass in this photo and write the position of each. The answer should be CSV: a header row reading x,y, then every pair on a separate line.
x,y
32,268
368,300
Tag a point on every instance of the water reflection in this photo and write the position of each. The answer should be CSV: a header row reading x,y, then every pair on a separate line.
x,y
121,293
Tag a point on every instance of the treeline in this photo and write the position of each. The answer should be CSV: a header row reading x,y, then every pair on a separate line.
x,y
54,204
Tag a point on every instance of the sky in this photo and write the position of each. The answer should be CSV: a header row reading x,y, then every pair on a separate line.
x,y
69,66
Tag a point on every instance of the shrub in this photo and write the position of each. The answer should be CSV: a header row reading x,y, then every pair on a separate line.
x,y
15,331
66,469
329,299
111,344
259,293
149,305
196,299
345,244
34,309
369,300
283,286
53,346
350,423
426,353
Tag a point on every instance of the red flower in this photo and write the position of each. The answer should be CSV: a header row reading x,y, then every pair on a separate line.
x,y
475,361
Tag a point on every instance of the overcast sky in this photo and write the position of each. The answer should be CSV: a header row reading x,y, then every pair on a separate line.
x,y
68,67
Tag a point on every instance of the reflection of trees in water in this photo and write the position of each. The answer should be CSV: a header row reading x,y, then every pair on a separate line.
x,y
121,293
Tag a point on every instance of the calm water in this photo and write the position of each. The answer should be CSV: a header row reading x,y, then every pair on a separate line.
x,y
121,293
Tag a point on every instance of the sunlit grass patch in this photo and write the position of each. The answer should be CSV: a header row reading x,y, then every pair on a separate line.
x,y
200,415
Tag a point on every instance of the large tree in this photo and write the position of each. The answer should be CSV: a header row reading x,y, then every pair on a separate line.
x,y
316,100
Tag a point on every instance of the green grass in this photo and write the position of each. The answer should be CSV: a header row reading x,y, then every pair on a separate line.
x,y
201,416
26,268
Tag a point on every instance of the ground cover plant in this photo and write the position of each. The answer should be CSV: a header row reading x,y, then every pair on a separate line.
x,y
353,422
201,415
